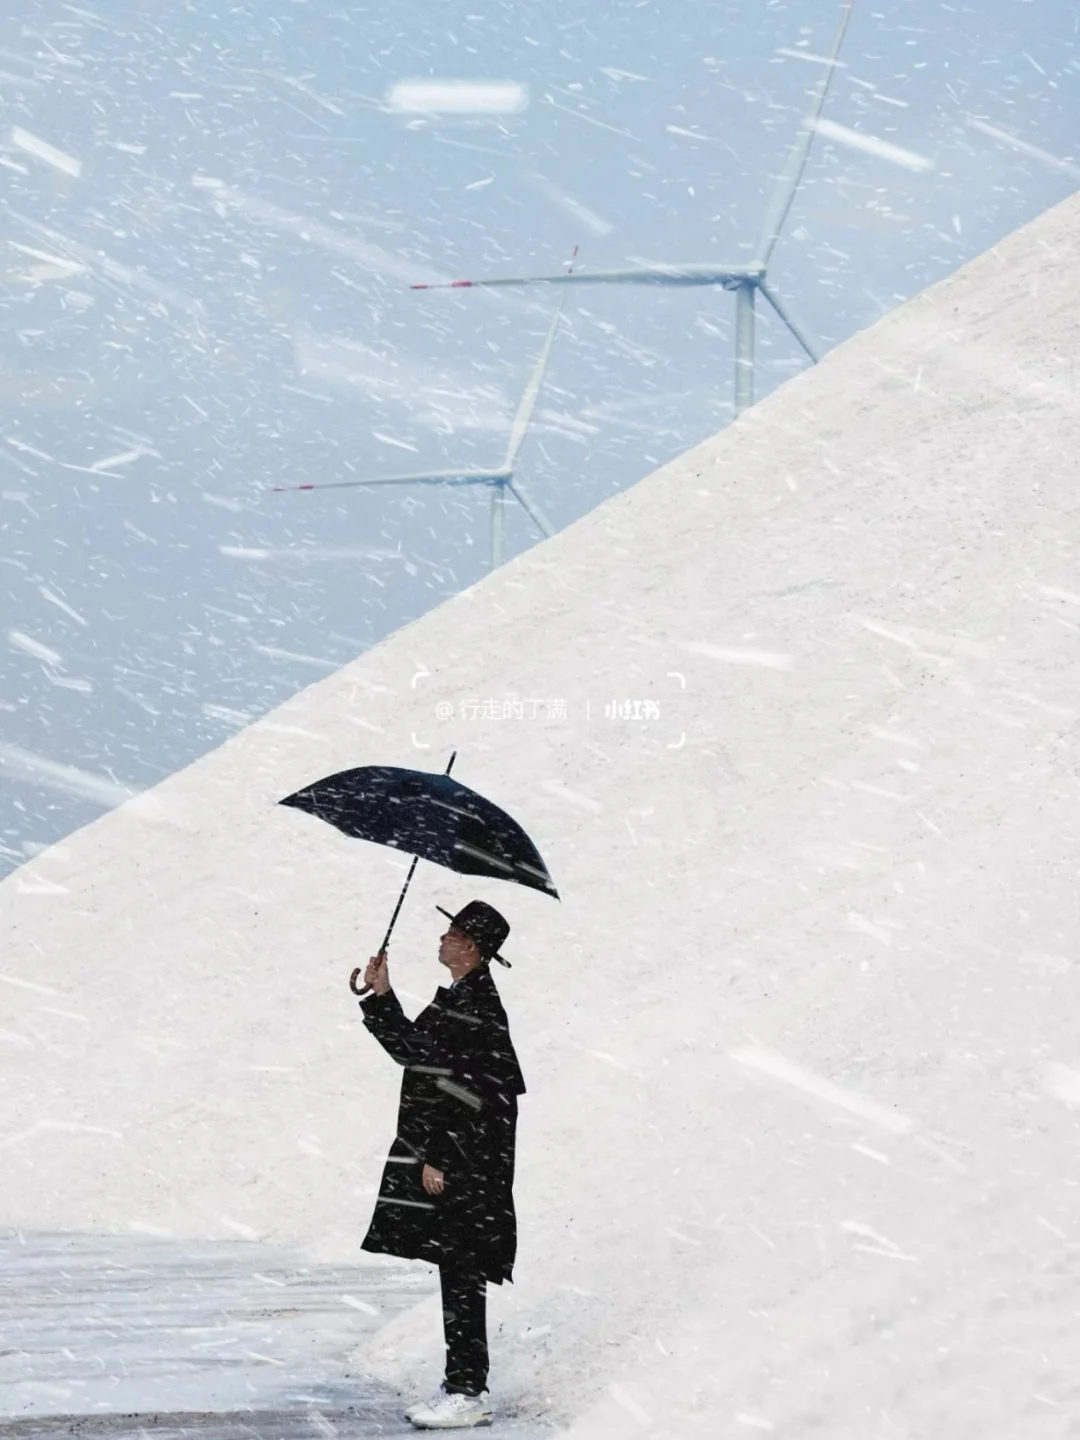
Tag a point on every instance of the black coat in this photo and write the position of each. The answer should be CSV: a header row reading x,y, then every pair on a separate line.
x,y
458,1113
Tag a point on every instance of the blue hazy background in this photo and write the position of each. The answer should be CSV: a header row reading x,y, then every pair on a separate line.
x,y
219,297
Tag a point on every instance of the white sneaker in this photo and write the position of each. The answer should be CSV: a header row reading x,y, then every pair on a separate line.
x,y
452,1412
428,1404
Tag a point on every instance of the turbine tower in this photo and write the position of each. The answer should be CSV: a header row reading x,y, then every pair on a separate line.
x,y
746,280
501,480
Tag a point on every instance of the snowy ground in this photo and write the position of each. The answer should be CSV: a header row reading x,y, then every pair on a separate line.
x,y
120,1336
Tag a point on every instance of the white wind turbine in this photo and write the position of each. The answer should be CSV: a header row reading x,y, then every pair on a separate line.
x,y
500,480
745,279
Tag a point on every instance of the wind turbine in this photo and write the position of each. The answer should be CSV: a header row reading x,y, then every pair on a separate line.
x,y
500,480
745,279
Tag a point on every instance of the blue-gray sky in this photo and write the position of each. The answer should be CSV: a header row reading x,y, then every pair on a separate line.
x,y
260,330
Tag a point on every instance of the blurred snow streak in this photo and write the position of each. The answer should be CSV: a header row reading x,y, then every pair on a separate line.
x,y
781,1069
1024,148
42,150
458,97
871,145
67,779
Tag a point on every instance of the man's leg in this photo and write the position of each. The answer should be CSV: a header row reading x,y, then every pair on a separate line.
x,y
464,1306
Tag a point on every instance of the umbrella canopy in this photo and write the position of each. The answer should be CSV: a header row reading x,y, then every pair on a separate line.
x,y
431,816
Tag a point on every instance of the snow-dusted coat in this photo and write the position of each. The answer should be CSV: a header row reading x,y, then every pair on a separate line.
x,y
458,1113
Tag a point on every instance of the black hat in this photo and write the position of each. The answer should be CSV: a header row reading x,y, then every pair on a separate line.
x,y
484,926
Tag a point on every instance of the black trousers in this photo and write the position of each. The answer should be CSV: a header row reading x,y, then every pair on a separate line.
x,y
464,1307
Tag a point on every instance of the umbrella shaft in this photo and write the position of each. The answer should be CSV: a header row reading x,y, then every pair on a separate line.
x,y
404,888
386,938
397,907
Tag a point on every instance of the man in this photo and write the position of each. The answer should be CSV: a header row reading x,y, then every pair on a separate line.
x,y
447,1188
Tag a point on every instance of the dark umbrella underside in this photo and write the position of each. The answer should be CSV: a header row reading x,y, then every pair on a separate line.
x,y
432,816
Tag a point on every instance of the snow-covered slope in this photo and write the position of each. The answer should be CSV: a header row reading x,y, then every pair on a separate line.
x,y
798,1150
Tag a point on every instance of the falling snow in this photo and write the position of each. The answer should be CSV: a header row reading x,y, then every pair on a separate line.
x,y
804,1082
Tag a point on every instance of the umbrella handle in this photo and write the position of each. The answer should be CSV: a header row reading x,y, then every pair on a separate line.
x,y
359,971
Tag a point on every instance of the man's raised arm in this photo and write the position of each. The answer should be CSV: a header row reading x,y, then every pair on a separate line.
x,y
386,1020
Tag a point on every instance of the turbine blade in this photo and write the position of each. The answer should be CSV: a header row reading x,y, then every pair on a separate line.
x,y
791,178
534,513
646,274
520,426
502,280
430,477
782,310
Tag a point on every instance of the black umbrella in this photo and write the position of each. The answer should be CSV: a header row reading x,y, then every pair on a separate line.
x,y
430,817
